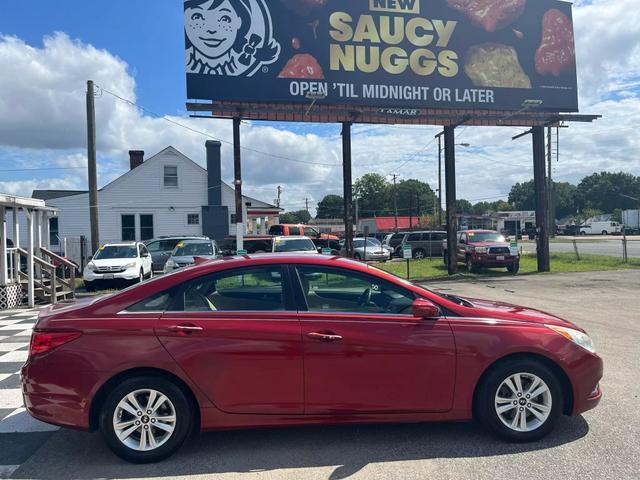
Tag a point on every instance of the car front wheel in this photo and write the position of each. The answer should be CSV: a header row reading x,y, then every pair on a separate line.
x,y
520,400
145,419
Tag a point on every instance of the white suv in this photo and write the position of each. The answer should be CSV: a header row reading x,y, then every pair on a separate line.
x,y
118,261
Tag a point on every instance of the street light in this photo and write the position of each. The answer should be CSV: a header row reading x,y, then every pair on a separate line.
x,y
439,137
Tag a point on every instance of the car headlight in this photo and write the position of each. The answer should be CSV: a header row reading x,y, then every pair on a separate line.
x,y
130,265
170,263
91,267
481,249
577,337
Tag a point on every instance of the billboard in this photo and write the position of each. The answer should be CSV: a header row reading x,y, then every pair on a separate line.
x,y
470,54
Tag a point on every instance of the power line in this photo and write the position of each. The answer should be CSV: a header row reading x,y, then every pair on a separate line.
x,y
200,132
40,169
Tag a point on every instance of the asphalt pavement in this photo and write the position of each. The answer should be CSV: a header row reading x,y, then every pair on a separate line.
x,y
610,245
601,444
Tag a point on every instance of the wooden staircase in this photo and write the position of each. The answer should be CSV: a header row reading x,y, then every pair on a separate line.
x,y
54,280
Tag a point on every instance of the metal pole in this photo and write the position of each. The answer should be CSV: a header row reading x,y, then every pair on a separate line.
x,y
550,189
16,244
440,180
237,169
450,180
542,205
4,271
395,201
92,168
347,187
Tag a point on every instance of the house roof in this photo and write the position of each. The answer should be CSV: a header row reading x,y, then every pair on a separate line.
x,y
389,223
51,194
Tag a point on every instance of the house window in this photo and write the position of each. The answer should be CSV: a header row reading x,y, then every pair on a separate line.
x,y
170,176
128,228
54,231
193,219
146,227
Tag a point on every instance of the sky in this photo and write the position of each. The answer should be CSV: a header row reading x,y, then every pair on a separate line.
x,y
48,50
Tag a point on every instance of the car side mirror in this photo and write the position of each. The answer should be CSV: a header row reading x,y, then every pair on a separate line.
x,y
423,308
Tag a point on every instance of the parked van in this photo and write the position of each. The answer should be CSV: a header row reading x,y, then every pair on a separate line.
x,y
601,228
424,244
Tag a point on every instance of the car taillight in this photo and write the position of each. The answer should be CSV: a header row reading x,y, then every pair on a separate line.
x,y
42,342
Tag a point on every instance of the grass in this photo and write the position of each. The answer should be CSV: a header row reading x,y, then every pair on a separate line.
x,y
560,262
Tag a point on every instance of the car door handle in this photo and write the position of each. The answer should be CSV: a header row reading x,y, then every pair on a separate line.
x,y
324,337
186,329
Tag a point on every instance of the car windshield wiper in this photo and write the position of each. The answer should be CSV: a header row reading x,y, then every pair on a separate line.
x,y
455,299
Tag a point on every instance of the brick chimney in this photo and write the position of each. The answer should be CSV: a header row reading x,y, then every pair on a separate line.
x,y
136,158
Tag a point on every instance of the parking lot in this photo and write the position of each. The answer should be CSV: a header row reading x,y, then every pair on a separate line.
x,y
604,443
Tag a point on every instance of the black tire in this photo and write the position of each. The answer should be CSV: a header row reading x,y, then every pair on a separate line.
x,y
445,257
471,267
485,408
604,232
183,424
419,254
356,256
583,233
515,268
90,286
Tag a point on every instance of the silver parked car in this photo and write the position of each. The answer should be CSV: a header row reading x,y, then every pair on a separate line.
x,y
373,251
185,252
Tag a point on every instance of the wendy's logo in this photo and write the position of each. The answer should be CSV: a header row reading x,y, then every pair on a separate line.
x,y
228,37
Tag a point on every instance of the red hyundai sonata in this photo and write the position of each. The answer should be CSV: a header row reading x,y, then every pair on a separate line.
x,y
267,341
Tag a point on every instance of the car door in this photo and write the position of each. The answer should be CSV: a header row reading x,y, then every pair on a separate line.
x,y
237,336
364,352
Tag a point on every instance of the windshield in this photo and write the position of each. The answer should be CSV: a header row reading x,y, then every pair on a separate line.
x,y
193,249
116,251
359,243
294,245
486,237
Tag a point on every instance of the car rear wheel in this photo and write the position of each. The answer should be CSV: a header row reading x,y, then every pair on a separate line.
x,y
604,232
357,256
519,400
145,419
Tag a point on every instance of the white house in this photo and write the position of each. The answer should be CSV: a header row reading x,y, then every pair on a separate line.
x,y
168,194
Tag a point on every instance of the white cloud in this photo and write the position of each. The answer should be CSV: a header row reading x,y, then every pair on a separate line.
x,y
42,115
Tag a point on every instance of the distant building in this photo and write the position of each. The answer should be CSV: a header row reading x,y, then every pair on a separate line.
x,y
168,194
388,224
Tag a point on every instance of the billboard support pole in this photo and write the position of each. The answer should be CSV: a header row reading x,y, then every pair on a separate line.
x,y
237,169
348,188
542,198
450,182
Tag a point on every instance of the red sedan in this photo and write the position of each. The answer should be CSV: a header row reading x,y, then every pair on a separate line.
x,y
297,340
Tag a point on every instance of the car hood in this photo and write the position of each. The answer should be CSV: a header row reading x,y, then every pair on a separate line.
x,y
509,311
489,244
371,250
188,260
113,262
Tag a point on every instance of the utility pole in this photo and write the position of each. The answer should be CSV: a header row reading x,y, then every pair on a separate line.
x,y
306,203
279,195
550,189
395,201
439,137
92,168
347,181
237,169
357,211
411,211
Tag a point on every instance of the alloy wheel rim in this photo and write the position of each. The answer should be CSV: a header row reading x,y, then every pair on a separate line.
x,y
523,402
144,420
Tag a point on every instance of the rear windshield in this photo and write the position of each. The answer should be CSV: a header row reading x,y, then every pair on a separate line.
x,y
116,251
486,237
192,249
294,245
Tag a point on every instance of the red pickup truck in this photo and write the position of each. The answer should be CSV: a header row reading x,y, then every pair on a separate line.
x,y
483,248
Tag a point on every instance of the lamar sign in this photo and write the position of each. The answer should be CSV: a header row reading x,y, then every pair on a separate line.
x,y
398,54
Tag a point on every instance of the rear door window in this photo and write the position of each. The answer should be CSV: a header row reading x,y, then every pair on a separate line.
x,y
247,289
276,230
294,230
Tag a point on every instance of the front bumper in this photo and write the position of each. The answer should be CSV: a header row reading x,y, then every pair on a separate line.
x,y
128,274
490,260
585,378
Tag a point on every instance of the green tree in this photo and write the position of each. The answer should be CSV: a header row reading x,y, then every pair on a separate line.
x,y
331,206
604,191
484,208
299,216
463,206
414,198
523,197
372,190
